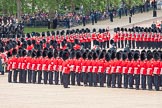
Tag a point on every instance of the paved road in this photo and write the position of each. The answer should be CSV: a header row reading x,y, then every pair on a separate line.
x,y
51,96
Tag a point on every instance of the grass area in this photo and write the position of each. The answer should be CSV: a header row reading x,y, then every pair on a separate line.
x,y
38,29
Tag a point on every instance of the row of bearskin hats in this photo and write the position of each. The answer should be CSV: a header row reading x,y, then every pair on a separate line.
x,y
67,32
138,29
89,54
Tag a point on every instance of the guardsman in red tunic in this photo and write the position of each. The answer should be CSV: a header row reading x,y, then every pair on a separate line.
x,y
149,70
136,68
28,66
65,69
72,64
33,67
118,69
55,66
89,68
143,70
113,69
94,69
77,63
23,66
107,67
9,68
125,69
59,65
94,37
160,66
39,65
84,66
50,67
156,70
130,70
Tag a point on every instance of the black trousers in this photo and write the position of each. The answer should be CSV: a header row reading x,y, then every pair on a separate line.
x,y
50,77
149,82
61,79
90,78
143,82
119,79
113,80
45,74
78,78
101,79
65,80
109,78
156,82
130,80
122,44
39,76
133,44
24,76
20,71
160,80
34,76
125,80
15,76
9,76
85,78
95,79
56,77
29,76
72,76
137,79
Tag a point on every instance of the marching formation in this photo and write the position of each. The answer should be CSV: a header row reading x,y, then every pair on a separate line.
x,y
87,67
138,38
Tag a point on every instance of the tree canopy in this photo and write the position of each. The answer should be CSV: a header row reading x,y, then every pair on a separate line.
x,y
9,7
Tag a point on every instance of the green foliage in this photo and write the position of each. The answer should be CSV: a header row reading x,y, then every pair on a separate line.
x,y
31,6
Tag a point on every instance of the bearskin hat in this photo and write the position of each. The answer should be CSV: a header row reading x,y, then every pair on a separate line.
x,y
50,54
101,56
156,55
118,55
72,54
95,55
90,55
29,53
39,53
136,56
130,56
124,56
55,54
24,53
53,33
107,56
48,33
143,56
111,41
113,55
33,54
149,56
2,49
60,53
44,54
9,54
65,55
84,55
78,54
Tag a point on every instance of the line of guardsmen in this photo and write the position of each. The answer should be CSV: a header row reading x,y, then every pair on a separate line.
x,y
138,38
88,67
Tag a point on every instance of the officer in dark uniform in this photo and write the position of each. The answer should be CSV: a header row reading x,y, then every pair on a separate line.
x,y
84,20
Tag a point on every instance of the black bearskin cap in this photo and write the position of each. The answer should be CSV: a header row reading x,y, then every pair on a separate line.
x,y
149,56
44,54
55,54
78,54
14,52
39,53
107,56
50,54
143,56
24,53
72,54
118,55
136,56
124,56
113,55
9,54
130,56
84,55
156,55
94,56
65,55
